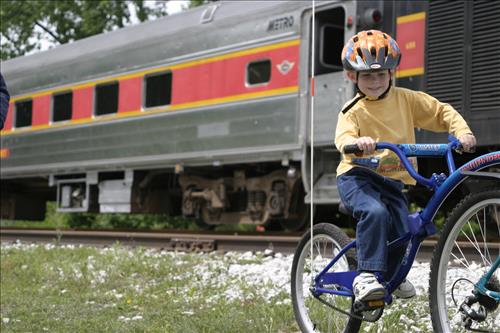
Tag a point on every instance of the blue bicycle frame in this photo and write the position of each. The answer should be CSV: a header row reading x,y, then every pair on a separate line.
x,y
420,223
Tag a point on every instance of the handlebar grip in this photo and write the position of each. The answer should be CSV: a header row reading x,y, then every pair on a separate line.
x,y
352,149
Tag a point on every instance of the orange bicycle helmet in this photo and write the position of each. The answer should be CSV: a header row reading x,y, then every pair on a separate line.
x,y
370,50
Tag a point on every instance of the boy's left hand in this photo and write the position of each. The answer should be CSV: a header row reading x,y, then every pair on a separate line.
x,y
468,142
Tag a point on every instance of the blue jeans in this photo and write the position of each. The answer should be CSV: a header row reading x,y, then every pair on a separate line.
x,y
381,209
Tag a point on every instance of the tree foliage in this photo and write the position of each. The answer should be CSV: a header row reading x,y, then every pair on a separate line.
x,y
195,3
24,24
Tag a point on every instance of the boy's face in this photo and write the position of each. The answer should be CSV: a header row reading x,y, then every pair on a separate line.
x,y
372,84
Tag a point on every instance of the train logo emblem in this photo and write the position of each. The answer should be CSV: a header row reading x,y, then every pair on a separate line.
x,y
285,67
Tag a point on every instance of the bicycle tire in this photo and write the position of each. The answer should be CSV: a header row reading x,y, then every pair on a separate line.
x,y
474,221
310,313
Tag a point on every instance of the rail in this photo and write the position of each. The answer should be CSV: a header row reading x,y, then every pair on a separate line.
x,y
187,241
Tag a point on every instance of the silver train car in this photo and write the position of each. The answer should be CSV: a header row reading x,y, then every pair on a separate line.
x,y
207,113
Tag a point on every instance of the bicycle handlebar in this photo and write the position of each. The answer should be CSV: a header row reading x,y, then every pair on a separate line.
x,y
403,151
352,149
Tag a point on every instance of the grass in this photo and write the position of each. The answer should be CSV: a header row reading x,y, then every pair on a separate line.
x,y
56,220
144,222
83,289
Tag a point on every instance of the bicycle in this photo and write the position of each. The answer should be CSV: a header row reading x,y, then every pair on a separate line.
x,y
460,300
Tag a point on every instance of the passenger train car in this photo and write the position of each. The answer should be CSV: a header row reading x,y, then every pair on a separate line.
x,y
206,113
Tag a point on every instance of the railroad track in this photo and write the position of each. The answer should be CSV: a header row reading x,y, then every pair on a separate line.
x,y
178,240
186,241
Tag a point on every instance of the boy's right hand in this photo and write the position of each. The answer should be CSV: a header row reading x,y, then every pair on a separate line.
x,y
366,144
468,142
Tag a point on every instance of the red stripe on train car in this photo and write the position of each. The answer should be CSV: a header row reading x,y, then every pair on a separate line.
x,y
228,76
130,95
41,110
10,116
4,153
83,103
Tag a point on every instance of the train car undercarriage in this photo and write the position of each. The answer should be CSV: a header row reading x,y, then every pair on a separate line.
x,y
263,194
261,200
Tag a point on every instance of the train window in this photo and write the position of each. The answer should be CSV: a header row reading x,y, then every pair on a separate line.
x,y
330,53
62,105
106,98
24,113
158,89
329,40
259,72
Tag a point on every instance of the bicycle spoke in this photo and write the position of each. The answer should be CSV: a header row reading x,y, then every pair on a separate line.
x,y
482,229
317,246
487,251
466,265
476,245
498,226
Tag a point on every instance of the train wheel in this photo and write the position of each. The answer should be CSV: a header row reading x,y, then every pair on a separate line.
x,y
206,220
296,221
202,225
298,212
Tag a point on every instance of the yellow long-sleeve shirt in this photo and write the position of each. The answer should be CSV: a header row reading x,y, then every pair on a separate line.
x,y
394,119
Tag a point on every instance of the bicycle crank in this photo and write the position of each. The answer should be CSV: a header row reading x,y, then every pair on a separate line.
x,y
370,311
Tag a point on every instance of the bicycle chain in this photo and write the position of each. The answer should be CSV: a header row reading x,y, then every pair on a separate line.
x,y
344,312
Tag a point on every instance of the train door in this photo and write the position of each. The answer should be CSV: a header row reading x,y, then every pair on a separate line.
x,y
331,88
331,91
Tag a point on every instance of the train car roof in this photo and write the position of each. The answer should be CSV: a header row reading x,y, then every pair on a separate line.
x,y
168,40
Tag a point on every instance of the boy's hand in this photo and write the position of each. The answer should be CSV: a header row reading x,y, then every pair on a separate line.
x,y
366,144
468,142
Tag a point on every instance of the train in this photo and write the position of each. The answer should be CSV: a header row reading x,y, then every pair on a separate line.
x,y
210,114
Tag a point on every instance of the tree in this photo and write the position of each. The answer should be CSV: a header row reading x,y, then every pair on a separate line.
x,y
196,3
24,24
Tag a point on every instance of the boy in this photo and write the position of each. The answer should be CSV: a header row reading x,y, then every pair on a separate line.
x,y
374,194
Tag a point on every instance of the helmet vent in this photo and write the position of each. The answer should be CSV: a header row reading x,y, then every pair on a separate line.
x,y
355,39
359,52
373,51
386,51
385,36
369,33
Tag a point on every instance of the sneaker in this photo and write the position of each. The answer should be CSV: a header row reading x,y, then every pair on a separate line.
x,y
367,288
405,290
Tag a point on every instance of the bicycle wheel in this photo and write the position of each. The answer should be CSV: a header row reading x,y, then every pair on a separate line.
x,y
310,313
467,247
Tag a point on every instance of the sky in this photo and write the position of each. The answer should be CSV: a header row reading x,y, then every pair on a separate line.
x,y
175,6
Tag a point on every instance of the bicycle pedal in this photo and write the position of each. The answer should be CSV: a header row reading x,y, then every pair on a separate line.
x,y
360,306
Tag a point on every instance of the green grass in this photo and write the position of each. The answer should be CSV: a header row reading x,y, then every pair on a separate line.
x,y
60,289
55,220
82,289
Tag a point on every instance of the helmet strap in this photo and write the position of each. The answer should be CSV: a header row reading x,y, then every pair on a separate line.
x,y
386,91
357,87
